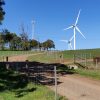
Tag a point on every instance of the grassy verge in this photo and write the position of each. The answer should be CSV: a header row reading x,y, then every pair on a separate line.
x,y
31,92
89,73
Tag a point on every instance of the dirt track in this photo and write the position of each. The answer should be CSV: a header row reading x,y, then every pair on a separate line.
x,y
21,57
75,87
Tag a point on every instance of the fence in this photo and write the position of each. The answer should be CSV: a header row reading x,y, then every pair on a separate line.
x,y
87,61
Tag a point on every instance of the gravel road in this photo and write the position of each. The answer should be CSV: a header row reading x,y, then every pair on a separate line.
x,y
76,87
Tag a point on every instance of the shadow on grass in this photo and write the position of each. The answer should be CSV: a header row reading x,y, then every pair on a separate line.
x,y
12,81
22,92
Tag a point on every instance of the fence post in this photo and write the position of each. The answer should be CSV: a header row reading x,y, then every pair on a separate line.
x,y
85,60
7,59
55,71
27,69
7,65
74,58
96,63
62,58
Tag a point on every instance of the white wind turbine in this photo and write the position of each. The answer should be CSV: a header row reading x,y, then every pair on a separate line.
x,y
74,26
69,43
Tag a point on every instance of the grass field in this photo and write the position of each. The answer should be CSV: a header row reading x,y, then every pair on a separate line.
x,y
11,53
55,56
31,92
95,74
52,56
70,53
45,58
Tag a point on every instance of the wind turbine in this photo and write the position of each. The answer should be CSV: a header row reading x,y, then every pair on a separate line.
x,y
74,26
69,42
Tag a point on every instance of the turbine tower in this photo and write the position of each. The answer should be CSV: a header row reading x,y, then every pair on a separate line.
x,y
69,43
74,26
33,32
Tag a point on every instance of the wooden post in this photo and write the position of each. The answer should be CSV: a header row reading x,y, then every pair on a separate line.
x,y
7,59
85,60
7,65
96,63
62,58
27,69
74,58
55,71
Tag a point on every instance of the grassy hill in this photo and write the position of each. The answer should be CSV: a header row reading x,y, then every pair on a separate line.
x,y
92,52
55,56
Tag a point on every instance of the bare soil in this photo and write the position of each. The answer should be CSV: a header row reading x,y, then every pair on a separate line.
x,y
75,87
21,57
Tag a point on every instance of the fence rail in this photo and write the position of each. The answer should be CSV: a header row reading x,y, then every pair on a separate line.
x,y
87,61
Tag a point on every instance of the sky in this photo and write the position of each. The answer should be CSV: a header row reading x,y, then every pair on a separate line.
x,y
52,17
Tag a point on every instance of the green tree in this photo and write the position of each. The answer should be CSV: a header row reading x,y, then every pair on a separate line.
x,y
48,44
2,13
34,44
1,42
15,43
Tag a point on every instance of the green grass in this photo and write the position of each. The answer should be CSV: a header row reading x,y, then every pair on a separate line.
x,y
54,56
45,58
95,74
41,93
11,53
70,53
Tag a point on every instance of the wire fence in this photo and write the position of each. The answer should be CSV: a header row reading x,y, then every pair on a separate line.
x,y
87,61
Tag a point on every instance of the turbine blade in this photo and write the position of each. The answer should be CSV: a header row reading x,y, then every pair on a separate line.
x,y
80,32
68,28
77,17
71,38
64,41
71,46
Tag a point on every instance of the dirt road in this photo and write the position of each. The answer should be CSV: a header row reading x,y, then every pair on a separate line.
x,y
75,87
21,57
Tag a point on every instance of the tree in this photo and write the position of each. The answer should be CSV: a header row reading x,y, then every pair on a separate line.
x,y
24,39
48,44
34,44
15,43
1,42
2,13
